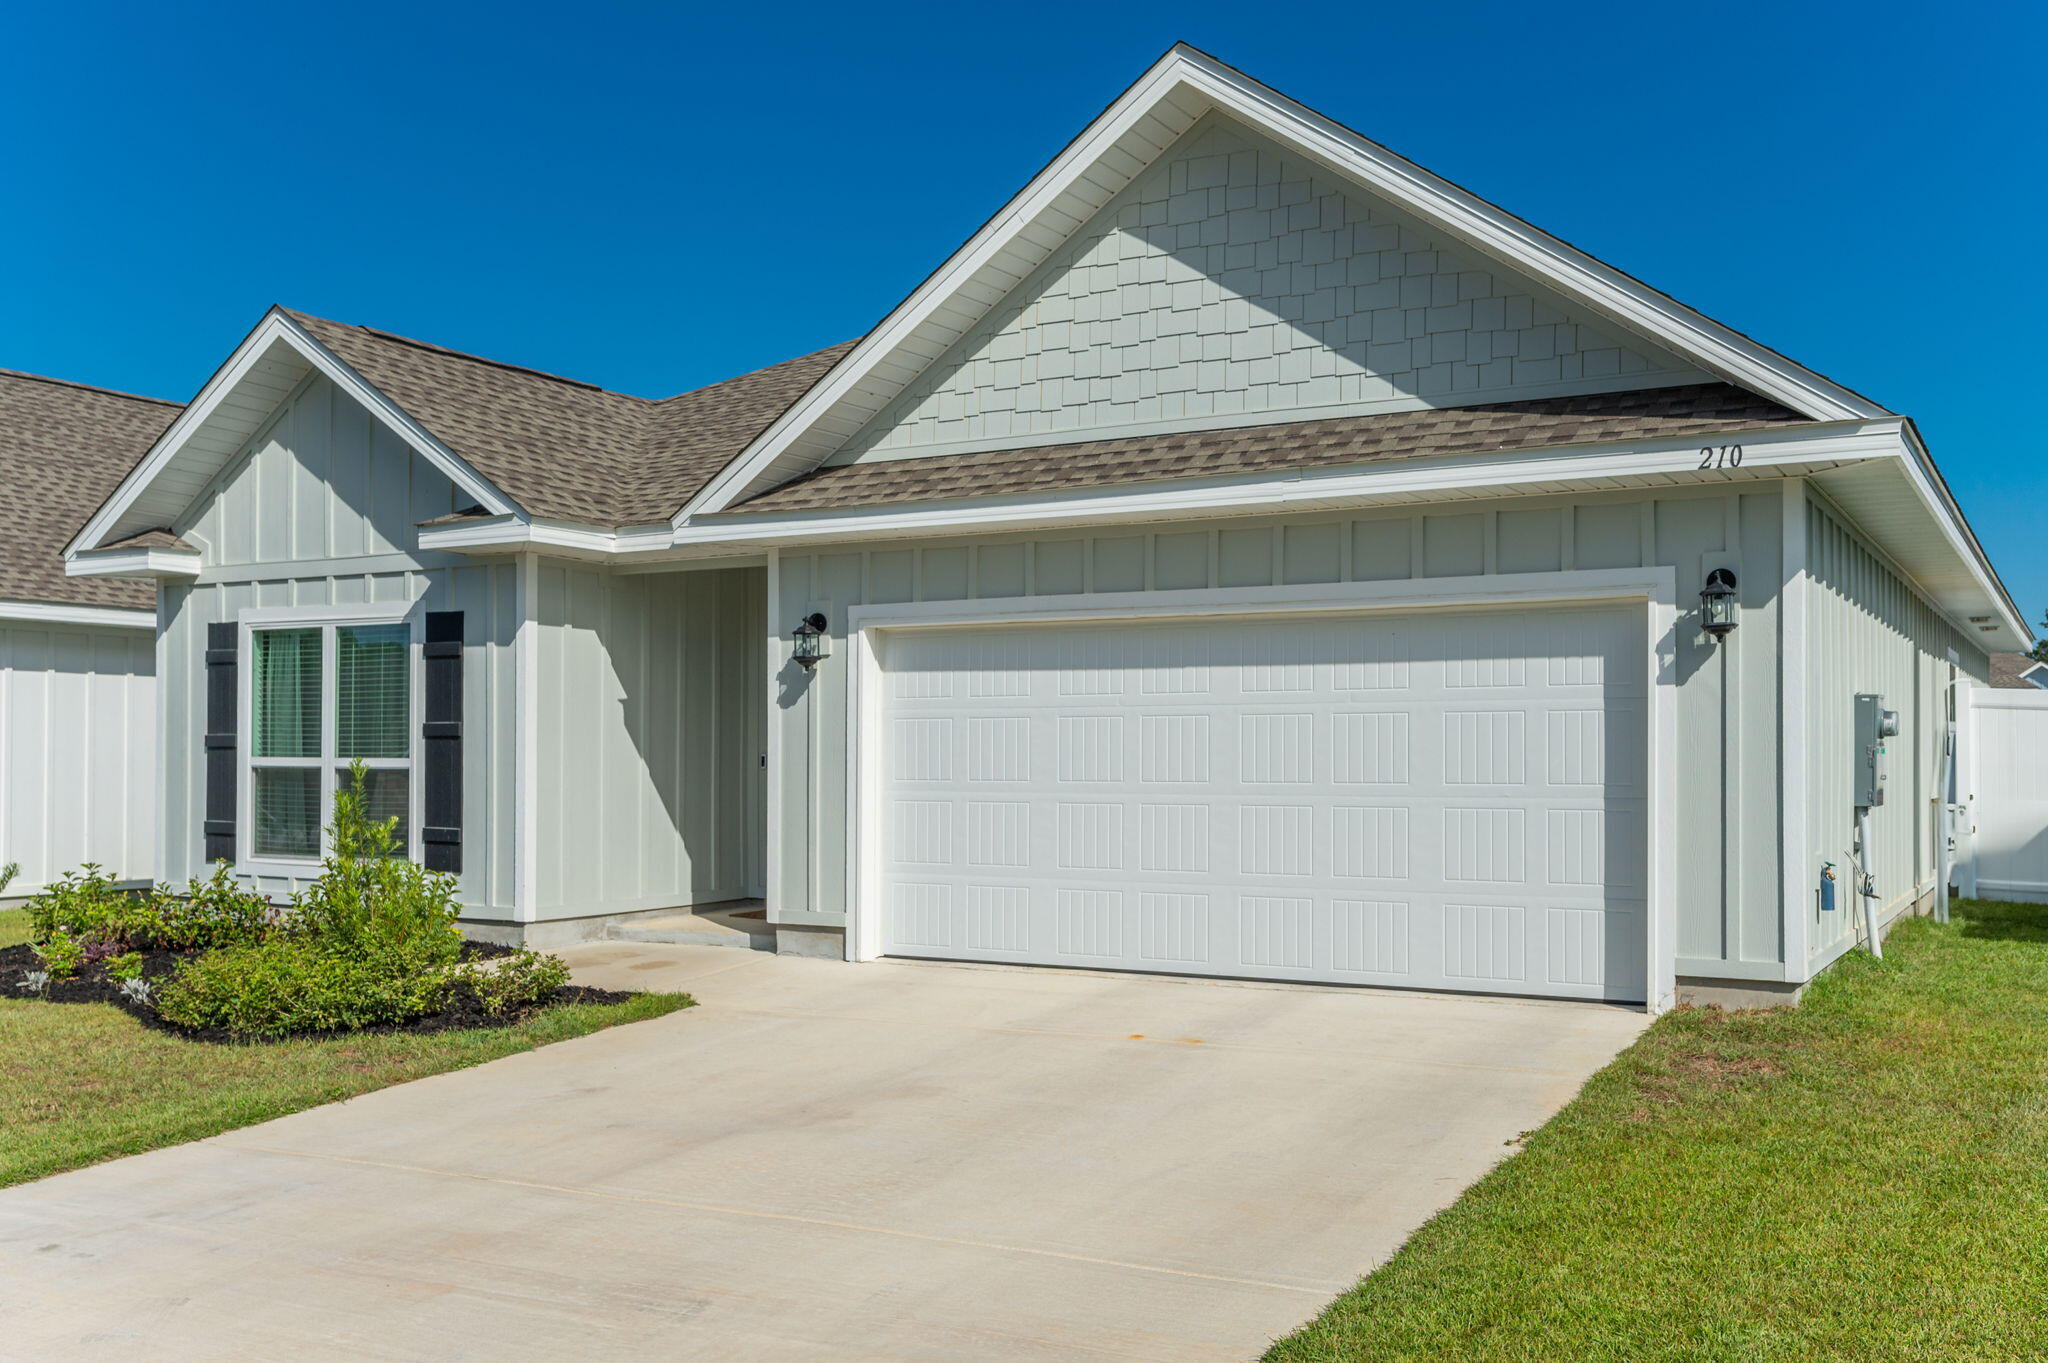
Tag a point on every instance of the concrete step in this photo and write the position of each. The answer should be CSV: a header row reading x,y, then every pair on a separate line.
x,y
741,923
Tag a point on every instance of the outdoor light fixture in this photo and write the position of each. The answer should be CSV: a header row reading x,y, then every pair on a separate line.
x,y
810,641
1717,604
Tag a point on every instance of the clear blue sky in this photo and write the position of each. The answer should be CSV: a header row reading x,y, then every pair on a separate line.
x,y
651,199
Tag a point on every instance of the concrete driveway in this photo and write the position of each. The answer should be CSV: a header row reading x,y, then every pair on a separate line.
x,y
886,1161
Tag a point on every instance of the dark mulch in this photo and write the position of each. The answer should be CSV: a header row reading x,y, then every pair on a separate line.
x,y
93,985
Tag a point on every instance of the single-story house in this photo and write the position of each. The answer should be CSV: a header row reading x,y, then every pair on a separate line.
x,y
2018,672
1248,555
78,717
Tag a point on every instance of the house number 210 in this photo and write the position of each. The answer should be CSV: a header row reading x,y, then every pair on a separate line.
x,y
1725,457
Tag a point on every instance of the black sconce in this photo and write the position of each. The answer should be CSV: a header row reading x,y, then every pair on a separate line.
x,y
1717,604
810,641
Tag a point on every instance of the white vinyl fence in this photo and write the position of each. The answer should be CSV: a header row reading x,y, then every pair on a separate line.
x,y
2003,853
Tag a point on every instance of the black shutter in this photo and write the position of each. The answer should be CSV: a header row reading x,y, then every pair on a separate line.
x,y
223,657
441,758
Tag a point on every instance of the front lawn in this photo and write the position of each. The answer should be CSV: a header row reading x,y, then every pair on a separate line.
x,y
1862,1177
81,1083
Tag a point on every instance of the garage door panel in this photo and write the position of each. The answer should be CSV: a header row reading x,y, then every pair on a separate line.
x,y
1436,801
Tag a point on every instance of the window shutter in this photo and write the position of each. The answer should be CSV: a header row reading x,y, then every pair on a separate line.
x,y
441,755
223,649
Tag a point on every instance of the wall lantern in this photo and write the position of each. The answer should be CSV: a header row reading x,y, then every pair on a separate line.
x,y
1717,604
810,641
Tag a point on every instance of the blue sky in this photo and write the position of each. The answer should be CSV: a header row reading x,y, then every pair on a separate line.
x,y
652,198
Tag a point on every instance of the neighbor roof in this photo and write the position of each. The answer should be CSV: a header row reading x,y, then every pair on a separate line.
x,y
565,449
63,447
1689,409
2009,670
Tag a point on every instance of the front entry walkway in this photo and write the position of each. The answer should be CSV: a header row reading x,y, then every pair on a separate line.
x,y
884,1161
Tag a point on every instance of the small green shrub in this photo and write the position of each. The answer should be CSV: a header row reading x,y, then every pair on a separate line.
x,y
80,904
127,966
8,873
368,897
290,984
61,955
512,984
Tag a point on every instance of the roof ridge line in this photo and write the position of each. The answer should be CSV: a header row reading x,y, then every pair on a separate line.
x,y
88,387
471,355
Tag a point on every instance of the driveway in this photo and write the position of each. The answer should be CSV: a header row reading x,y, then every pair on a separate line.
x,y
886,1161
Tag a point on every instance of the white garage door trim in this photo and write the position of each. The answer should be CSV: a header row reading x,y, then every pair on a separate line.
x,y
869,628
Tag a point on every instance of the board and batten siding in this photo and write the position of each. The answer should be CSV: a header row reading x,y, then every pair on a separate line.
x,y
1868,630
320,509
1729,886
77,752
651,697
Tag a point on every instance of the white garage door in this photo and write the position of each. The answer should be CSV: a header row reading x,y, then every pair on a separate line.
x,y
1452,800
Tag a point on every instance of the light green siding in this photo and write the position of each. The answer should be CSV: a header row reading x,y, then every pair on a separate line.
x,y
1728,815
650,694
320,510
1868,630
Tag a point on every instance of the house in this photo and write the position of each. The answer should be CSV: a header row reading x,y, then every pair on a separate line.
x,y
2017,671
77,655
1248,555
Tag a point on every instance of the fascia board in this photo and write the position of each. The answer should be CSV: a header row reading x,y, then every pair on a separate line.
x,y
133,563
58,613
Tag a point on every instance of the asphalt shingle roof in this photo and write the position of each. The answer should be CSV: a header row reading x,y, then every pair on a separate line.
x,y
2008,669
564,449
1690,409
63,447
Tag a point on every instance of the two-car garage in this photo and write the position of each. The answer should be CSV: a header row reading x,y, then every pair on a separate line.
x,y
1449,799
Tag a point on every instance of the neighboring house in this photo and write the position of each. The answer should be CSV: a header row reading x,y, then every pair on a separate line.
x,y
1248,555
2017,671
78,714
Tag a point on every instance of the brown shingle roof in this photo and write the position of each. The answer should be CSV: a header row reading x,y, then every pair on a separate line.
x,y
63,447
1691,409
2007,670
564,449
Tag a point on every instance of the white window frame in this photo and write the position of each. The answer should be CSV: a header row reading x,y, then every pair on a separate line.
x,y
326,619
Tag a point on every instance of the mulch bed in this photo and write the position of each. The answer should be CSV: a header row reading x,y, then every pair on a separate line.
x,y
93,985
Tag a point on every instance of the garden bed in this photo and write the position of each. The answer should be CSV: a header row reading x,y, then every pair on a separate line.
x,y
93,984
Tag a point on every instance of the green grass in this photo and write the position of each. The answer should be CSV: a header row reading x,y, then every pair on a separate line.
x,y
81,1083
1862,1177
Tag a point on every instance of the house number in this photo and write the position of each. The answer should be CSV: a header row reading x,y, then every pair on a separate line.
x,y
1723,457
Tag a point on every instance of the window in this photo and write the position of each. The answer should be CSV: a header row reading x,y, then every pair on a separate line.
x,y
322,695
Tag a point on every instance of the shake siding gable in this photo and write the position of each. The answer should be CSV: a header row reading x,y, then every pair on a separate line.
x,y
1233,280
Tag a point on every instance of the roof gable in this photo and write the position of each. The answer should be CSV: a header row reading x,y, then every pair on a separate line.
x,y
63,447
1119,146
1233,282
517,441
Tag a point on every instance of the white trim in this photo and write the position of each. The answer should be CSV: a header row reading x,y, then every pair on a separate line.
x,y
156,562
1795,890
771,894
326,619
512,533
278,329
1655,588
526,744
98,617
2035,675
1185,78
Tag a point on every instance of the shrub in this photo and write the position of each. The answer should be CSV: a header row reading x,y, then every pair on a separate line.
x,y
125,967
288,984
61,955
371,899
8,873
512,984
212,912
80,904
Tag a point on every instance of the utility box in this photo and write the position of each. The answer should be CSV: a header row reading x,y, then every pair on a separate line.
x,y
1874,724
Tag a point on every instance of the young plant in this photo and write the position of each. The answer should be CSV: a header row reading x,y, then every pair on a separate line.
x,y
125,967
61,954
7,874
